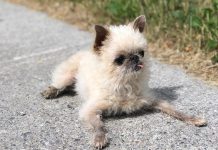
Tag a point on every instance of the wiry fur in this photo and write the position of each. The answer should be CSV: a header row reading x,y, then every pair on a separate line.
x,y
106,87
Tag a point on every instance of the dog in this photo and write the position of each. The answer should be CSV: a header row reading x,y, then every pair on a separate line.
x,y
112,78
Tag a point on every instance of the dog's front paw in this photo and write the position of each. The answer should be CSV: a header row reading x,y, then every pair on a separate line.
x,y
100,140
50,92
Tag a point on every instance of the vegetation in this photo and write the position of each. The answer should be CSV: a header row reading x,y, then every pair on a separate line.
x,y
188,25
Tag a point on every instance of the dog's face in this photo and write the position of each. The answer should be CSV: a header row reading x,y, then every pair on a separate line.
x,y
129,61
122,48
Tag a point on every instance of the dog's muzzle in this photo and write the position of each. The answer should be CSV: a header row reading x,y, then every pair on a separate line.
x,y
136,63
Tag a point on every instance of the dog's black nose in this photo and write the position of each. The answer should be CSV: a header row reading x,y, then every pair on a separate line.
x,y
134,58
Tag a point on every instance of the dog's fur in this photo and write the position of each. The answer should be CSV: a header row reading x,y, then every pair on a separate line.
x,y
112,77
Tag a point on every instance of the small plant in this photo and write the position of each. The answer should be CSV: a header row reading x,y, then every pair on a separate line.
x,y
214,59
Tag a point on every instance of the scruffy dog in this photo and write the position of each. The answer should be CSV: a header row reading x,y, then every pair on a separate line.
x,y
112,78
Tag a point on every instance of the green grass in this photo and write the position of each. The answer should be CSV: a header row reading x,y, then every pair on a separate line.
x,y
186,23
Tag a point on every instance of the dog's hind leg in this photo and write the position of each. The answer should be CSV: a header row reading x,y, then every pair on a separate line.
x,y
165,107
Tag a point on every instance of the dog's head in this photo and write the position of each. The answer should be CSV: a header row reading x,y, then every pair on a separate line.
x,y
122,48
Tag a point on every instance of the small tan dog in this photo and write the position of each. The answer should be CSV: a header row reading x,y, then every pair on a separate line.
x,y
112,78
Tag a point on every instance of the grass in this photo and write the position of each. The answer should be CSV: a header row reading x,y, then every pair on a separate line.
x,y
188,25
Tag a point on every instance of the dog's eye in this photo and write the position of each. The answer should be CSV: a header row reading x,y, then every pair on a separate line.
x,y
119,60
141,52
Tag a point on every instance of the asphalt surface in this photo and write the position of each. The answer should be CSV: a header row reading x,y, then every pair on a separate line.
x,y
32,44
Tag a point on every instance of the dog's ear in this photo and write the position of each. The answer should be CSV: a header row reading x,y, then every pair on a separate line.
x,y
101,35
139,23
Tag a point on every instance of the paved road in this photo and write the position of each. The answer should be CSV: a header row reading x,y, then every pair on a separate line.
x,y
31,44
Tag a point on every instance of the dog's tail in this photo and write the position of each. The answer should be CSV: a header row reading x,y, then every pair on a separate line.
x,y
167,108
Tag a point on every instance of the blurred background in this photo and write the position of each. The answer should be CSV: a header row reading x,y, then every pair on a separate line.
x,y
181,32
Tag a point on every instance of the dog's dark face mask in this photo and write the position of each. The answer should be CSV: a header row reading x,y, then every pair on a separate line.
x,y
131,62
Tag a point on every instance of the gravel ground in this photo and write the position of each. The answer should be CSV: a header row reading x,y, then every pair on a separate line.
x,y
31,44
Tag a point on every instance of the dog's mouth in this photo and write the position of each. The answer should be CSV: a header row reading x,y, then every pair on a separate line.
x,y
138,66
